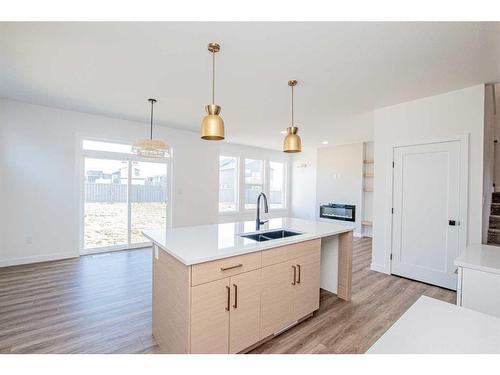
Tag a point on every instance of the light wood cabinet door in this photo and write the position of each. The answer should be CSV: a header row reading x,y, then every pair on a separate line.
x,y
210,309
244,325
307,284
276,298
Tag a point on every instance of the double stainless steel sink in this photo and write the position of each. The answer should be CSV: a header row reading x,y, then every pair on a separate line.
x,y
270,235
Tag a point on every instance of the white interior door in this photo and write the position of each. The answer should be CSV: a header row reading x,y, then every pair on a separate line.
x,y
427,215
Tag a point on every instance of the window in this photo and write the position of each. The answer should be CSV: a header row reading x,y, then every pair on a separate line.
x,y
276,185
91,145
148,198
123,195
254,182
241,180
228,184
105,209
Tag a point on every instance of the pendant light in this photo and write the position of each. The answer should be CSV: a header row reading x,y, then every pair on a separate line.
x,y
212,125
292,140
151,148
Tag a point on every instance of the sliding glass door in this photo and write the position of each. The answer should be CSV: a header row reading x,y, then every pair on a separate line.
x,y
106,202
148,198
122,196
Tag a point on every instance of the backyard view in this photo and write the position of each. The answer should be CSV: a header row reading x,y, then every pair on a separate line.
x,y
106,223
107,186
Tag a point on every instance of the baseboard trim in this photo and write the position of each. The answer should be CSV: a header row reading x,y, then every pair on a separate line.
x,y
379,268
37,259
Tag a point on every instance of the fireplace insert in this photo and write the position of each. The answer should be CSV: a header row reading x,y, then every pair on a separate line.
x,y
345,212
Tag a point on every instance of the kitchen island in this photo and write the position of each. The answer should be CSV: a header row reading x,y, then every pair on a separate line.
x,y
215,290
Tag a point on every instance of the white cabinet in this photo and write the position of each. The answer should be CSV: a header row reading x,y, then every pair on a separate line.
x,y
480,291
479,279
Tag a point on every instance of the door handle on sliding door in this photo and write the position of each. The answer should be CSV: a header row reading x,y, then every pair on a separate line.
x,y
453,222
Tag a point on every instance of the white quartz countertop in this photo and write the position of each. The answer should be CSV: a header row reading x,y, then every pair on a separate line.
x,y
203,243
480,257
431,326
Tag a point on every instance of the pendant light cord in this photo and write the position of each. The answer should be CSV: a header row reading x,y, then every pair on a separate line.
x,y
213,77
292,108
151,134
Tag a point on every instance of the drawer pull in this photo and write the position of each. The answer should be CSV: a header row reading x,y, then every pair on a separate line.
x,y
298,278
235,296
294,274
231,267
228,297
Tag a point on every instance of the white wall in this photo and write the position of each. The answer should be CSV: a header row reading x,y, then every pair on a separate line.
x,y
303,180
39,177
304,165
456,113
339,179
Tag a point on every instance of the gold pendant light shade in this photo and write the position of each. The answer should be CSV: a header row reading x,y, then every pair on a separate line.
x,y
212,125
292,142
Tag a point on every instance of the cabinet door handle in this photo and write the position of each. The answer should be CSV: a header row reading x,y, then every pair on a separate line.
x,y
294,274
235,296
231,267
298,278
228,297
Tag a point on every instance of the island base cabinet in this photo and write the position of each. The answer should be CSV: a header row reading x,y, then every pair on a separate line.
x,y
210,317
225,314
306,287
244,319
257,299
289,291
276,298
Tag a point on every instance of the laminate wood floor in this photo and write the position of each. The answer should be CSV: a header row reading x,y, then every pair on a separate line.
x,y
102,304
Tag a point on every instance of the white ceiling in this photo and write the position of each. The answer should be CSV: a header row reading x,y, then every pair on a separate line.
x,y
343,69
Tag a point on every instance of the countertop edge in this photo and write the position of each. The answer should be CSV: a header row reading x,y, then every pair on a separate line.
x,y
267,246
474,266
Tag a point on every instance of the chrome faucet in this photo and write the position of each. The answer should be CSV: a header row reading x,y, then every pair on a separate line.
x,y
259,222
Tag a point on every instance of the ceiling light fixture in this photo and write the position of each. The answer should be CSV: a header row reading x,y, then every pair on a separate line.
x,y
151,148
324,142
292,141
212,125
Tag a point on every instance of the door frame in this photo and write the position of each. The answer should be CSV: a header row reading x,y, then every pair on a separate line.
x,y
463,193
81,154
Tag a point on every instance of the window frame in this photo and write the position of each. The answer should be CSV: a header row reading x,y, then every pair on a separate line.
x,y
285,183
110,155
263,184
237,187
241,210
